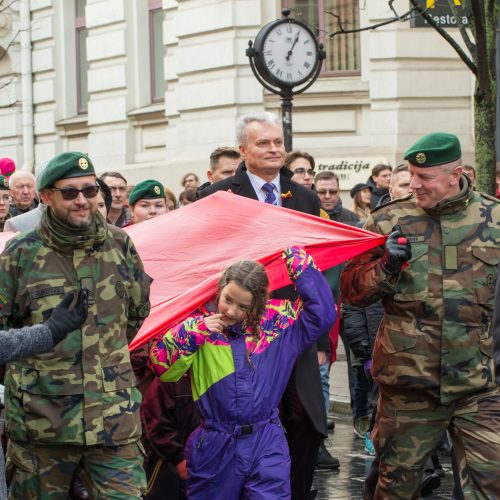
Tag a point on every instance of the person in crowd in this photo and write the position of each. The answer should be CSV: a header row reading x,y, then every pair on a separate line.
x,y
4,201
29,220
168,416
471,172
190,181
119,214
76,408
7,167
147,201
240,449
326,184
223,164
361,195
302,165
22,190
104,199
16,344
400,183
187,197
170,199
380,179
262,176
433,359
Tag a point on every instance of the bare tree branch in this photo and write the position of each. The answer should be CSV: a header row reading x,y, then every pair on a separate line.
x,y
465,58
463,28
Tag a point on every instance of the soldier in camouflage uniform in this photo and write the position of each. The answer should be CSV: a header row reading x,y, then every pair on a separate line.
x,y
77,407
433,355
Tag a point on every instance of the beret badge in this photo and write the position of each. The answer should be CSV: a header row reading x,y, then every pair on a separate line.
x,y
84,164
157,190
421,158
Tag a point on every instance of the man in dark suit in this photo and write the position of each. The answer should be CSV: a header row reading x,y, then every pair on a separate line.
x,y
262,176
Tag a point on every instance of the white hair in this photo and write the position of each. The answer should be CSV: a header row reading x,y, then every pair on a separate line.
x,y
243,121
20,174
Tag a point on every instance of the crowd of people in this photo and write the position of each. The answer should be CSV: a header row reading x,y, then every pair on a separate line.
x,y
234,401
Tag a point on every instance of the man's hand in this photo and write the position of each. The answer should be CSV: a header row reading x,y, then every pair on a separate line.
x,y
321,358
397,252
64,320
214,323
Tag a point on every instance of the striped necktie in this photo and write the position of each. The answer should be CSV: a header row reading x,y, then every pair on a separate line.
x,y
270,197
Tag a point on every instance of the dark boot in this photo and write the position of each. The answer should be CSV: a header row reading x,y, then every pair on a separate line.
x,y
325,460
430,482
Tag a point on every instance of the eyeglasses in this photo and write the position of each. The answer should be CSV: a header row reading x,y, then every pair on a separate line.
x,y
302,172
5,197
70,193
324,192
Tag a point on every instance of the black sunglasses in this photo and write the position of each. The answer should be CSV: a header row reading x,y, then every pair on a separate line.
x,y
70,193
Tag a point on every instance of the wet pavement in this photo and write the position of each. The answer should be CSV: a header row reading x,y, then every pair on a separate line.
x,y
347,482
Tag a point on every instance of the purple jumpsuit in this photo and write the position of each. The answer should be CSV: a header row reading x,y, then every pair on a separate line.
x,y
240,450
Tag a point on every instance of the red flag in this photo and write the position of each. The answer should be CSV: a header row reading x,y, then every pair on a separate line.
x,y
186,250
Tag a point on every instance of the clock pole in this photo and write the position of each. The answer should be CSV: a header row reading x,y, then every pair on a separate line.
x,y
286,117
262,66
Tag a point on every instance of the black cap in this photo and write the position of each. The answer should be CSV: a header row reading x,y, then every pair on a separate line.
x,y
359,187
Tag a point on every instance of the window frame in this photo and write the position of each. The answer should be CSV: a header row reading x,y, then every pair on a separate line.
x,y
322,38
80,26
154,6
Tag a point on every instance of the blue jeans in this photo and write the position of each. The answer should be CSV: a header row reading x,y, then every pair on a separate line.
x,y
324,371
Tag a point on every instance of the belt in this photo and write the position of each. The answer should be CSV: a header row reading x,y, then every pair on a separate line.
x,y
241,429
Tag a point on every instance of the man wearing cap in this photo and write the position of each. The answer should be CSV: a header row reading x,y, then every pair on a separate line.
x,y
77,407
433,357
4,201
147,201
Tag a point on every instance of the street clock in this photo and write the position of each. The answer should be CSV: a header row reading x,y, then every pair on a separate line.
x,y
286,59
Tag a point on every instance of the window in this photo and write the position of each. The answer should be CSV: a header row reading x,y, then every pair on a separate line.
x,y
156,50
342,51
81,57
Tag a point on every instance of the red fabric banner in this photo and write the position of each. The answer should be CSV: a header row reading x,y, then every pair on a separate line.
x,y
186,250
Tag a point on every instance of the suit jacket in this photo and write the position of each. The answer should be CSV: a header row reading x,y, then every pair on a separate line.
x,y
306,374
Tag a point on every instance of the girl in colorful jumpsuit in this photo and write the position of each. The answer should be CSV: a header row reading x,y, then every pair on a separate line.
x,y
241,358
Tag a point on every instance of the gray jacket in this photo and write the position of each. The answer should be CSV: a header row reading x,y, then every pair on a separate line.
x,y
25,222
15,344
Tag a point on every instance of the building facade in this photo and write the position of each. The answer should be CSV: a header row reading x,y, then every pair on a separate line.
x,y
151,87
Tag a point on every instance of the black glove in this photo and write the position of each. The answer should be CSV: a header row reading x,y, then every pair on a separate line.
x,y
361,349
64,320
397,252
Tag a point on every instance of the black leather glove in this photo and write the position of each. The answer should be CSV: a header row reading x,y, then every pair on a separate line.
x,y
361,349
397,252
64,320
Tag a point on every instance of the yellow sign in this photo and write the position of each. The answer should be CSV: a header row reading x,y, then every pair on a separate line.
x,y
432,3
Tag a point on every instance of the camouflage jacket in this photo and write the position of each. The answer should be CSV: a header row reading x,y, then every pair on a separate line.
x,y
83,392
435,335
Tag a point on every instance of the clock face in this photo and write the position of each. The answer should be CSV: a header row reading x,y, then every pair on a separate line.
x,y
289,53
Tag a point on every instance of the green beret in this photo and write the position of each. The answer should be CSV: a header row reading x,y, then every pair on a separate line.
x,y
434,149
149,189
65,166
4,183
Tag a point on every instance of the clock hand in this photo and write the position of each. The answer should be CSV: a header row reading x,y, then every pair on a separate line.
x,y
294,43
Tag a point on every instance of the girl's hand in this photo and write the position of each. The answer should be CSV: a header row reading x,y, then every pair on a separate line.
x,y
214,323
182,470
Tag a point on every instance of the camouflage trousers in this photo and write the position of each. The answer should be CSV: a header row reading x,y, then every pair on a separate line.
x,y
410,425
45,472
